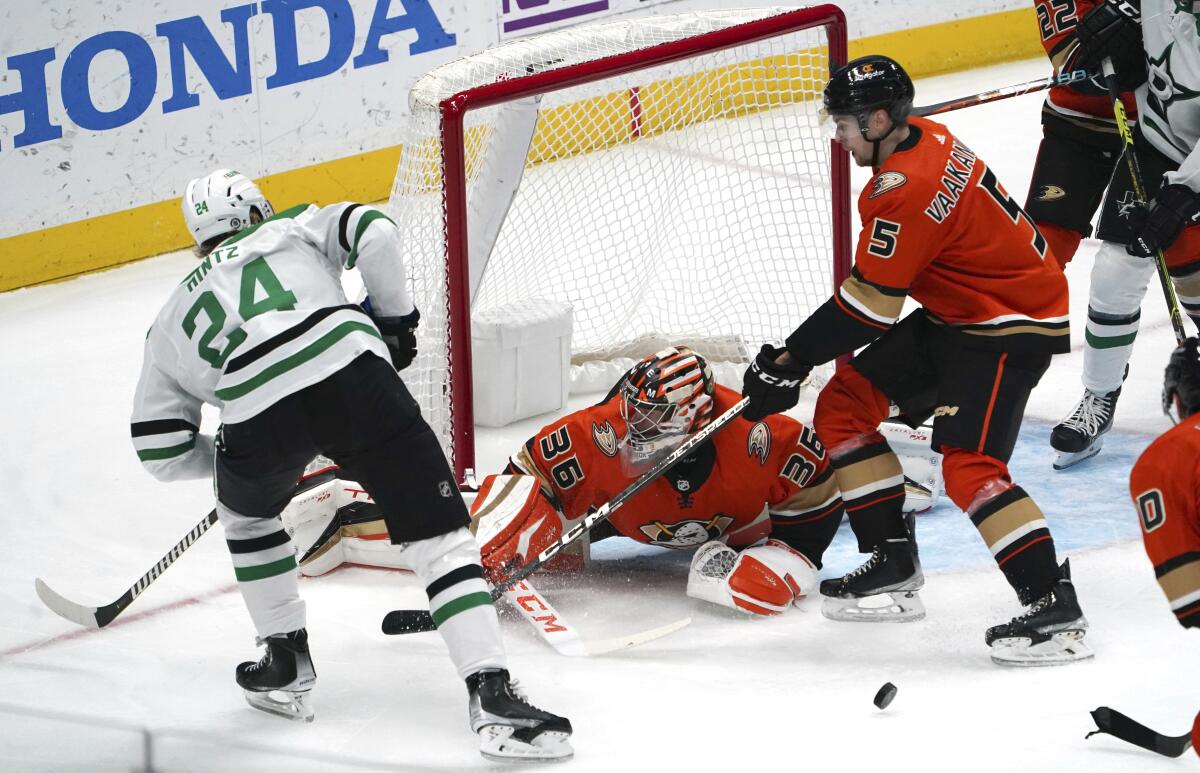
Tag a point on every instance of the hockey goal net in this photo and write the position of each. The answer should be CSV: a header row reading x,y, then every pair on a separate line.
x,y
665,175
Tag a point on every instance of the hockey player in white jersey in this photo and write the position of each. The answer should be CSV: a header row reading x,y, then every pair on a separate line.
x,y
1168,104
261,329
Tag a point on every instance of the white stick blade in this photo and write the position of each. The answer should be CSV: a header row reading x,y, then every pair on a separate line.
x,y
69,610
603,646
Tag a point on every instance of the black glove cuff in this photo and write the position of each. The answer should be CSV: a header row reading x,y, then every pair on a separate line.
x,y
1181,200
394,326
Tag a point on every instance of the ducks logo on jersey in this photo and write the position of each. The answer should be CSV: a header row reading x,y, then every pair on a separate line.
x,y
685,534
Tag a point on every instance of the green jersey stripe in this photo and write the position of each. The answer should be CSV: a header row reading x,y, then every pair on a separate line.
x,y
314,349
367,218
155,454
263,571
1108,342
461,604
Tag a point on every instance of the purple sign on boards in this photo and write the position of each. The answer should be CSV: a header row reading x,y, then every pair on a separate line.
x,y
522,15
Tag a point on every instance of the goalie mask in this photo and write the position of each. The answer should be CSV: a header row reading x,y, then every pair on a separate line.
x,y
664,398
1181,382
220,204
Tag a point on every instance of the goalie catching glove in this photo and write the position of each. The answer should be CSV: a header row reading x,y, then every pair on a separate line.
x,y
771,387
762,580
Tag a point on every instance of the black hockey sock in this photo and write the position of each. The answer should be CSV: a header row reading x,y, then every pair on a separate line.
x,y
872,484
1017,534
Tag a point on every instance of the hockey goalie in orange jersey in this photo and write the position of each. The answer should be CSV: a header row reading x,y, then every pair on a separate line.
x,y
766,488
1165,487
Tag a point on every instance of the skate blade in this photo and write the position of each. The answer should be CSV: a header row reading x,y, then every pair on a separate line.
x,y
496,743
1067,459
283,703
894,607
1061,648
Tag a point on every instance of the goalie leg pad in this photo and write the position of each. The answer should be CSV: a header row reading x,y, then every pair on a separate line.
x,y
762,580
515,522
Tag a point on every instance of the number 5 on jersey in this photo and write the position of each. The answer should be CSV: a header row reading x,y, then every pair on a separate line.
x,y
883,238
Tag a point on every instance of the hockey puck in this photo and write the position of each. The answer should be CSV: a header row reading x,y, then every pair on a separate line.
x,y
885,696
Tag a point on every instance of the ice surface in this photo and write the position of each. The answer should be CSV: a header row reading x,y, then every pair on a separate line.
x,y
792,693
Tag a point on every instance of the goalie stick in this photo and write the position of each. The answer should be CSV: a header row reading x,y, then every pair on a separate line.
x,y
1061,79
1118,725
1139,194
98,617
400,621
563,637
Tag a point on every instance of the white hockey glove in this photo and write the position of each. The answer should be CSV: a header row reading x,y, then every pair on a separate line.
x,y
516,522
761,580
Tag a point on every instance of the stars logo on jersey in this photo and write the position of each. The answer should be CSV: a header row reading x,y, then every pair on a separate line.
x,y
758,442
1050,193
1163,89
605,438
1126,205
885,182
685,534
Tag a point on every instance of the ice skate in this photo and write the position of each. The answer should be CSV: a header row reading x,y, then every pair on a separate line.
x,y
883,590
509,727
1081,434
1049,633
280,683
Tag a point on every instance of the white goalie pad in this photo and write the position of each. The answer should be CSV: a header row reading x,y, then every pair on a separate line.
x,y
328,530
921,464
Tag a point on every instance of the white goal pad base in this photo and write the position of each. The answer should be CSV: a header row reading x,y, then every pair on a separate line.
x,y
521,360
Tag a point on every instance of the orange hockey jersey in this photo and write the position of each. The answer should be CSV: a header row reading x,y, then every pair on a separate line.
x,y
939,226
1082,103
752,479
1165,486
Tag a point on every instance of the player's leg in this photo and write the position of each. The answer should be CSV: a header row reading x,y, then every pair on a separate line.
x,y
985,395
383,442
848,412
1117,287
258,462
1073,167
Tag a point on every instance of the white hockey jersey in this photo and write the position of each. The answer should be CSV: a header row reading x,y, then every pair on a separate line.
x,y
263,316
1169,102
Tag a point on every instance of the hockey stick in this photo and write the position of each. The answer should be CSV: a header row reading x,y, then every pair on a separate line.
x,y
563,637
995,95
98,617
1139,193
418,620
1120,726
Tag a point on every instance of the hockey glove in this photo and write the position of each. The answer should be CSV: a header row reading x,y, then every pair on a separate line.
x,y
1113,29
770,386
1157,228
400,336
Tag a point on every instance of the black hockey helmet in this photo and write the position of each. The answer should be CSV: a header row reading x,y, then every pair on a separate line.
x,y
866,84
1181,382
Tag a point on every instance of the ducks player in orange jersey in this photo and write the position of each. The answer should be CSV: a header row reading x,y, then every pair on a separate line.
x,y
937,225
765,489
1165,487
1080,144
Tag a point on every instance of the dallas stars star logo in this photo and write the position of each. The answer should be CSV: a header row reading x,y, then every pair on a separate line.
x,y
1164,90
1126,205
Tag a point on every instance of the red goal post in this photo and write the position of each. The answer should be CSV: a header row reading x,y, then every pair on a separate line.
x,y
671,143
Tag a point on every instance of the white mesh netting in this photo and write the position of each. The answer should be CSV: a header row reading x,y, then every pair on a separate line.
x,y
682,202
